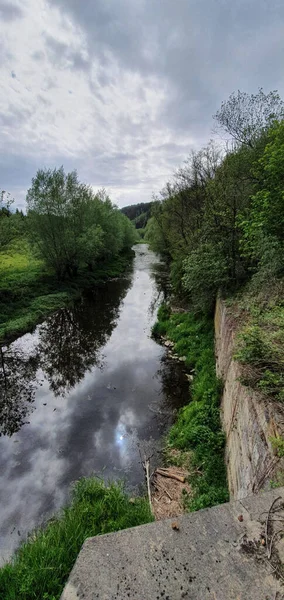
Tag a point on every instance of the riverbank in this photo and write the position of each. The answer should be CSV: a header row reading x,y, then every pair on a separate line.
x,y
41,566
29,292
198,428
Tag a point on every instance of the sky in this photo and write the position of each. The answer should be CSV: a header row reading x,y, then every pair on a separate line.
x,y
123,90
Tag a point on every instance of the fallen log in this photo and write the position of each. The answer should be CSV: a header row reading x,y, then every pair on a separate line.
x,y
170,475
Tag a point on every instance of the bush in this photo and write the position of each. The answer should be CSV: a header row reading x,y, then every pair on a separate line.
x,y
205,272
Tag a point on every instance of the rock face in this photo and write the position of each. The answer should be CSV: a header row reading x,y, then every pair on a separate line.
x,y
249,420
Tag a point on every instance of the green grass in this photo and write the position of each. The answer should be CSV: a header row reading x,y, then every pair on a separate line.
x,y
198,426
41,566
29,292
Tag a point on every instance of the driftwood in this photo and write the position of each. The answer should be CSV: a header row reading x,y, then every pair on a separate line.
x,y
166,473
146,467
147,471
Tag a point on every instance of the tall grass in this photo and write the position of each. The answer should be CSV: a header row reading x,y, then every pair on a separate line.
x,y
41,566
198,426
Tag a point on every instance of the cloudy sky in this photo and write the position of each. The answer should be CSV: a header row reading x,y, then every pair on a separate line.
x,y
122,90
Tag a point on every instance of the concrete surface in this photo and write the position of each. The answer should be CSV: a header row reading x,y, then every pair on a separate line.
x,y
215,555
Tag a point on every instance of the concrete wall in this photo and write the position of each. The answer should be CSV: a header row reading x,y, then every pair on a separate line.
x,y
249,420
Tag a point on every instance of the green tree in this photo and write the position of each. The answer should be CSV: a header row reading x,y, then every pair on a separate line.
x,y
71,226
7,229
263,224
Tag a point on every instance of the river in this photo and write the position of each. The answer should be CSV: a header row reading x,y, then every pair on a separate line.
x,y
81,394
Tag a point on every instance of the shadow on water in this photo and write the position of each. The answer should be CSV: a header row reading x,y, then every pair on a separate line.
x,y
80,396
65,346
18,380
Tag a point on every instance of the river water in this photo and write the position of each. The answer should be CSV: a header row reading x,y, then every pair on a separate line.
x,y
81,395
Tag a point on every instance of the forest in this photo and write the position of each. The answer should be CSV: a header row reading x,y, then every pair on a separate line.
x,y
220,224
69,239
220,219
139,214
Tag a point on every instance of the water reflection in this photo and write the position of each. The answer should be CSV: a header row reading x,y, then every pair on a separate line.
x,y
70,340
95,386
62,349
18,383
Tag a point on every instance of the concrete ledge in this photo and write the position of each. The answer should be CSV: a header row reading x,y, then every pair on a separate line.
x,y
210,557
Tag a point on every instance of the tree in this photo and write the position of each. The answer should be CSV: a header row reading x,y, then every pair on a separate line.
x,y
263,224
244,116
71,226
6,223
54,214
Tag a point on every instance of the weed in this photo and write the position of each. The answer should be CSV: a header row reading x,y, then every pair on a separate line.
x,y
41,566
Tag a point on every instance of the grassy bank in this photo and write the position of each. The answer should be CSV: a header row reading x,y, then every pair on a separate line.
x,y
42,565
198,426
29,292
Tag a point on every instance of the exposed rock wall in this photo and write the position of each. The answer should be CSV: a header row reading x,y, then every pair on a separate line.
x,y
249,420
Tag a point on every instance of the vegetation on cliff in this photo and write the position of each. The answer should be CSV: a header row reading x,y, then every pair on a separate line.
x,y
220,222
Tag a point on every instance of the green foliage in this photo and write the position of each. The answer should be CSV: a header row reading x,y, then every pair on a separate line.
x,y
220,219
12,225
29,291
278,446
205,272
71,239
71,227
198,427
263,224
138,213
260,342
41,566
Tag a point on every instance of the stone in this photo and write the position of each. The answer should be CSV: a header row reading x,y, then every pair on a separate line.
x,y
204,559
168,344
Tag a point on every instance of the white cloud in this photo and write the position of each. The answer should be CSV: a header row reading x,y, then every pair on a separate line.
x,y
123,91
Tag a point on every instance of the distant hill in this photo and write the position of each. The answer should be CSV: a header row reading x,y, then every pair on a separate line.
x,y
139,214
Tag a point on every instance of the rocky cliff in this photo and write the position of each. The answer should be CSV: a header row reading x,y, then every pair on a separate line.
x,y
249,420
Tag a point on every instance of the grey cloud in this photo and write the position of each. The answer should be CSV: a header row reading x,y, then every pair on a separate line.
x,y
197,51
38,55
10,11
66,57
43,100
196,46
14,117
